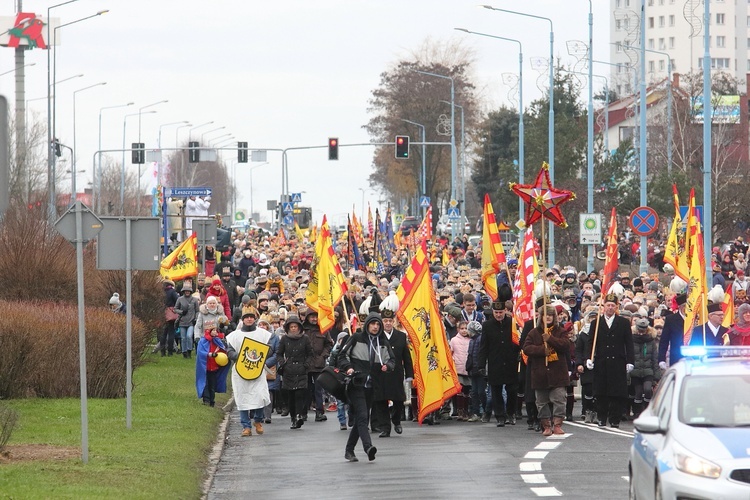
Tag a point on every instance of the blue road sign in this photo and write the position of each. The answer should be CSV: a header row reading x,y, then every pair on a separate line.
x,y
296,197
424,201
288,220
287,207
187,191
644,221
683,213
453,213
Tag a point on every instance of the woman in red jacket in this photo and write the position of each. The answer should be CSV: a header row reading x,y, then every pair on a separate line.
x,y
217,290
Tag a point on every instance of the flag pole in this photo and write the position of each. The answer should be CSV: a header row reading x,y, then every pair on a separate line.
x,y
544,293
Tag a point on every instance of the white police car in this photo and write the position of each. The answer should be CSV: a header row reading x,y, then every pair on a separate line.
x,y
693,440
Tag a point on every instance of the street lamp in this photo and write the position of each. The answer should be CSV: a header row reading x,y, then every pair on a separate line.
x,y
251,186
521,152
190,132
463,163
177,132
453,137
140,112
51,110
551,129
424,176
14,69
222,142
220,138
183,123
98,173
210,132
73,176
122,175
365,190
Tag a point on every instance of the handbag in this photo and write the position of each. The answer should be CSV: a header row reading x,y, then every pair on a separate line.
x,y
271,372
170,315
334,381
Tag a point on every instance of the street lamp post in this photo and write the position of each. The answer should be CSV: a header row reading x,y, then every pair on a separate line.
x,y
521,152
138,193
183,123
424,175
158,165
551,129
98,175
190,132
463,165
217,139
122,176
74,187
204,134
453,138
251,187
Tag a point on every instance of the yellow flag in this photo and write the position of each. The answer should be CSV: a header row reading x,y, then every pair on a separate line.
x,y
493,254
182,262
314,234
327,285
445,258
298,232
674,252
695,309
434,372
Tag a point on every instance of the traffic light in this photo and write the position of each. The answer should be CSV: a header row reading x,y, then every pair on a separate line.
x,y
333,148
139,153
242,152
402,146
57,147
193,152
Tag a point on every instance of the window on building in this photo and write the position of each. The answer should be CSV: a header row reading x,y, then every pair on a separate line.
x,y
662,46
671,42
626,133
651,66
618,25
627,3
661,2
651,22
618,46
618,4
674,65
671,20
651,43
720,19
661,65
661,21
721,41
626,24
650,3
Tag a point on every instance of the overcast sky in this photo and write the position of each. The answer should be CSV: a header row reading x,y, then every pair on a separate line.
x,y
275,74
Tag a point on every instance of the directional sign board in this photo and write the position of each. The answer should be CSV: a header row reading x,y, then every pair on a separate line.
x,y
183,192
296,197
288,220
287,207
590,229
644,221
66,225
144,243
424,201
453,213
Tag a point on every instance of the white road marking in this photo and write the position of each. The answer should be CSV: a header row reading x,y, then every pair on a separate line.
x,y
530,466
548,491
547,445
540,455
605,430
626,478
534,479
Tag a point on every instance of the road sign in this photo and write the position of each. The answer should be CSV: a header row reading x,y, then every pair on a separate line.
x,y
424,201
644,221
288,220
683,213
296,197
453,203
238,215
590,232
144,244
453,213
66,225
398,219
182,192
287,207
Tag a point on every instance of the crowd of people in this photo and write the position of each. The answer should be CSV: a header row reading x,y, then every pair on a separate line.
x,y
615,346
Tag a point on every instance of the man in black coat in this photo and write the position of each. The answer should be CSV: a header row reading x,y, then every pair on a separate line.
x,y
500,353
714,332
390,385
613,360
672,335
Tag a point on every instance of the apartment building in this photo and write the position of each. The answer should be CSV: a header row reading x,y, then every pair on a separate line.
x,y
674,30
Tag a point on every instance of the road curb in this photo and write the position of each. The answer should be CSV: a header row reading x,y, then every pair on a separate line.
x,y
218,448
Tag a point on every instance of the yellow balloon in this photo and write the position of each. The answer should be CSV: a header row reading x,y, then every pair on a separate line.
x,y
221,359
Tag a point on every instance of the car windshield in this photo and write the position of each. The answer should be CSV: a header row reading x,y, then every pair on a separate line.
x,y
716,401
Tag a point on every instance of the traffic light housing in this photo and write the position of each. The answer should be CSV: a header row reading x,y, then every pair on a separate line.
x,y
242,152
57,147
402,146
193,152
333,148
138,153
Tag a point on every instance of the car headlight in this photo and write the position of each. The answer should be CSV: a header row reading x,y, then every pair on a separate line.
x,y
692,464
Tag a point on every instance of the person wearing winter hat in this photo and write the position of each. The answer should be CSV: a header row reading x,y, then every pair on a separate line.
x,y
586,375
116,305
477,374
453,314
186,308
166,339
295,356
711,332
217,290
367,353
673,334
646,367
250,388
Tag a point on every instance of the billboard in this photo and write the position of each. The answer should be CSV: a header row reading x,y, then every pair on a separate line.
x,y
726,109
27,29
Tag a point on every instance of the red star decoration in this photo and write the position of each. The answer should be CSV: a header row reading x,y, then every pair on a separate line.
x,y
542,200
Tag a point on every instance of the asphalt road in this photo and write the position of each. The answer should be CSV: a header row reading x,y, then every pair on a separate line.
x,y
451,460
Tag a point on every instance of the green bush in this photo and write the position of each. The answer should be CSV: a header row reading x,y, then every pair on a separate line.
x,y
8,419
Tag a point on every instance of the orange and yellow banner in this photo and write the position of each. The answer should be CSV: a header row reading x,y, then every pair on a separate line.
x,y
327,285
182,262
493,255
727,307
695,309
674,252
523,286
611,264
435,375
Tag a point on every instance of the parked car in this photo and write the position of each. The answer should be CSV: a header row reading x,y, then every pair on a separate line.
x,y
692,439
445,226
409,224
508,238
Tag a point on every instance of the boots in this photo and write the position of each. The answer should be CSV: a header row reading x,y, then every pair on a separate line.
x,y
637,409
519,406
569,407
547,428
558,426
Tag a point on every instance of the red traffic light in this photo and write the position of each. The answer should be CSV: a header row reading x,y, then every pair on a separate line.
x,y
333,148
400,141
333,142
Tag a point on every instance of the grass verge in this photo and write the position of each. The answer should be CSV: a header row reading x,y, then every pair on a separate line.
x,y
163,455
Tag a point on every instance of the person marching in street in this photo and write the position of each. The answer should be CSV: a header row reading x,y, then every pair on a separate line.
x,y
321,345
672,336
646,367
210,315
583,345
249,348
364,355
166,342
186,309
460,348
477,374
295,356
612,362
713,329
210,376
500,353
545,347
389,385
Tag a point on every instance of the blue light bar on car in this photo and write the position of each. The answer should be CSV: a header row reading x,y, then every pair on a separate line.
x,y
692,351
